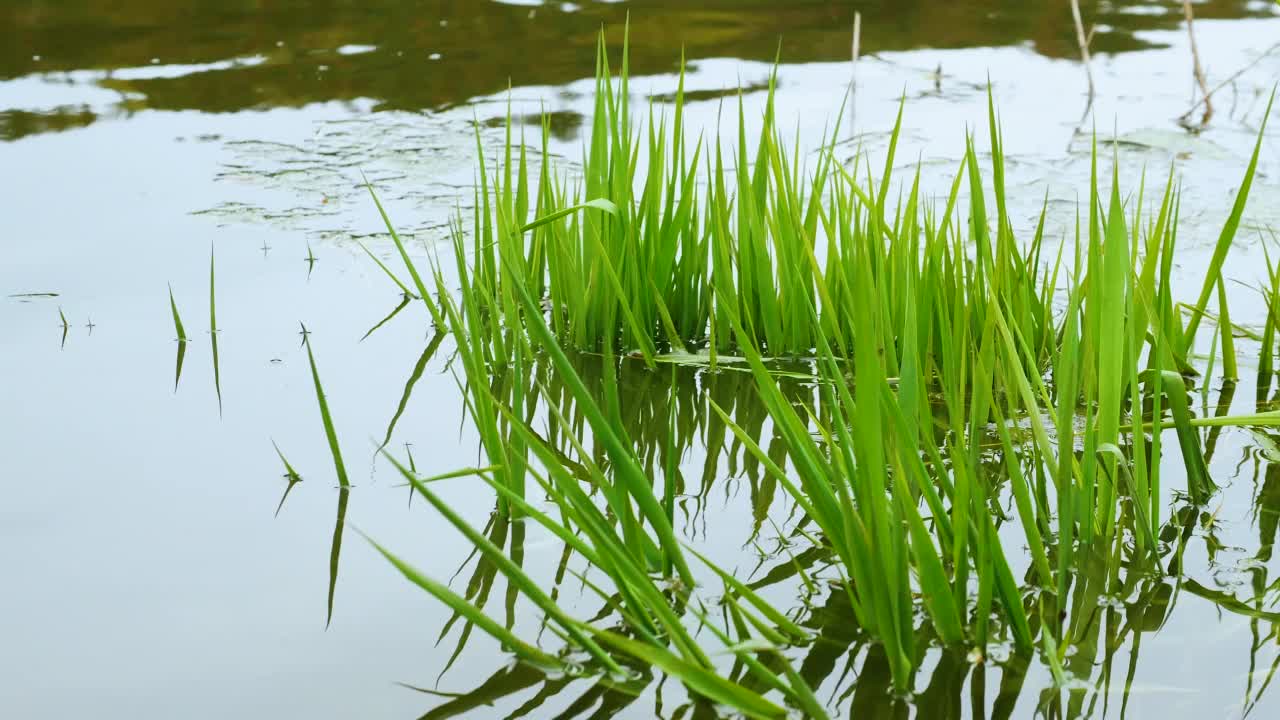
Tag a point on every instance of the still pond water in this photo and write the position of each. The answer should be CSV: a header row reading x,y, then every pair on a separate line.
x,y
146,572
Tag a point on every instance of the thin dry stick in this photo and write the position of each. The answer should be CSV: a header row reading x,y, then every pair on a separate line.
x,y
1198,68
1083,41
853,79
857,39
1233,77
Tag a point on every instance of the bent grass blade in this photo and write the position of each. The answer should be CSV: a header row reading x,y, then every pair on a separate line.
x,y
404,302
290,475
432,307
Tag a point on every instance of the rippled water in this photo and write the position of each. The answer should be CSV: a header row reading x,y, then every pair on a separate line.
x,y
146,574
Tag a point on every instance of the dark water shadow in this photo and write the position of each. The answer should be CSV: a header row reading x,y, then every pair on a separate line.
x,y
239,56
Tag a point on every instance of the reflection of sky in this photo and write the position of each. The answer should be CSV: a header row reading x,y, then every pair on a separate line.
x,y
145,576
425,160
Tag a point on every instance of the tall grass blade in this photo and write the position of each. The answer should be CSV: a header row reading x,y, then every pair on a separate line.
x,y
404,256
340,468
1213,272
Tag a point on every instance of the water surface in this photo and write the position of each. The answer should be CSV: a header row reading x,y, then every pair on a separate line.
x,y
146,572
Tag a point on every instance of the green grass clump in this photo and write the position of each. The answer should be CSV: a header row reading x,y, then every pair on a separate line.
x,y
954,365
660,262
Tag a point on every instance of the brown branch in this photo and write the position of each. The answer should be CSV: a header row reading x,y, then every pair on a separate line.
x,y
1198,69
1083,41
853,77
1232,78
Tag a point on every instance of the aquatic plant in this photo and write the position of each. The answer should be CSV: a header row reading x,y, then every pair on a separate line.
x,y
954,365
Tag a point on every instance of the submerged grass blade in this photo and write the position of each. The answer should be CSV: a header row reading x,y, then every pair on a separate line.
x,y
335,549
404,302
418,369
700,680
514,574
474,615
213,333
177,371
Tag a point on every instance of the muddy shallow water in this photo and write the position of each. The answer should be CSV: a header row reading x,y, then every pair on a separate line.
x,y
146,574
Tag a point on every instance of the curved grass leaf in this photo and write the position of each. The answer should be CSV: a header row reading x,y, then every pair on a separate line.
x,y
474,615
